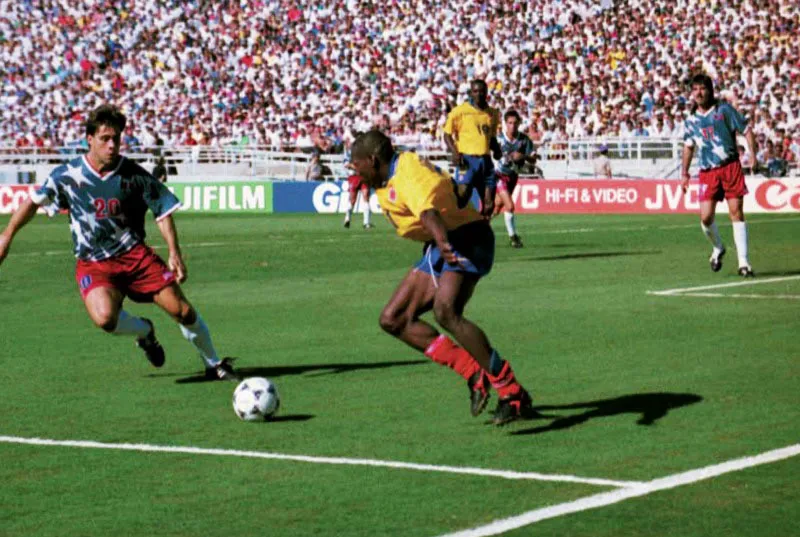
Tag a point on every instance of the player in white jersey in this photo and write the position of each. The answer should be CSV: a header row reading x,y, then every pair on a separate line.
x,y
711,131
517,149
107,196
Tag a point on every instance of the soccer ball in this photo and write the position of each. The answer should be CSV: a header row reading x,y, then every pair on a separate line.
x,y
256,399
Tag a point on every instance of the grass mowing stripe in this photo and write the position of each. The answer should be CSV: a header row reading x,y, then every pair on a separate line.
x,y
668,292
505,474
609,498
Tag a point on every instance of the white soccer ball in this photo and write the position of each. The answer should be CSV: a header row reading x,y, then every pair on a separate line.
x,y
256,399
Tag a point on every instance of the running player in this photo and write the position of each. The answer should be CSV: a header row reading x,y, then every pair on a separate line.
x,y
107,196
517,149
419,200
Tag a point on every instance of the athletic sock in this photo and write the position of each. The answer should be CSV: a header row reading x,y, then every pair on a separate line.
x,y
712,233
198,335
367,212
509,218
504,382
740,238
128,324
444,351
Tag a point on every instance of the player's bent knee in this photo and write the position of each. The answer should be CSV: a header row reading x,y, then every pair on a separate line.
x,y
186,315
105,322
391,323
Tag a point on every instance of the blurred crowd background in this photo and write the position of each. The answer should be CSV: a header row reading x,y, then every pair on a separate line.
x,y
298,76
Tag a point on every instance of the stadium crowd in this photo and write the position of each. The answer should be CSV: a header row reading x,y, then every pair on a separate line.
x,y
294,75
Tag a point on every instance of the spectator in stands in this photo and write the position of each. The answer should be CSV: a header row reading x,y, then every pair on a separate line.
x,y
602,164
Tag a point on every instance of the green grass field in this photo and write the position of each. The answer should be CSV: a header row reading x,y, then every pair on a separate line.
x,y
635,386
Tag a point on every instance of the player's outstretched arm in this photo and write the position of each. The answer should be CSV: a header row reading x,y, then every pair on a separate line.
x,y
175,262
22,216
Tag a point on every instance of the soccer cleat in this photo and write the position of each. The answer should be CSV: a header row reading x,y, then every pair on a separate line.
x,y
222,371
516,242
746,272
347,224
151,347
478,385
512,408
368,226
716,261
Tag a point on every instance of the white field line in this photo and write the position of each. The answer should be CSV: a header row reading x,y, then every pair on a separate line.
x,y
504,474
736,295
681,291
543,232
609,498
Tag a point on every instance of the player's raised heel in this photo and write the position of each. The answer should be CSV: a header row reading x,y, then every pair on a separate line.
x,y
222,371
478,385
716,261
513,408
151,347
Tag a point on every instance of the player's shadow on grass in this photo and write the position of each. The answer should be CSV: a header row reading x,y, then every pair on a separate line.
x,y
762,273
589,255
312,370
650,406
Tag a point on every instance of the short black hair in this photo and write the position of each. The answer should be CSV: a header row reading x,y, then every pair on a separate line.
x,y
703,80
108,115
480,81
512,113
373,143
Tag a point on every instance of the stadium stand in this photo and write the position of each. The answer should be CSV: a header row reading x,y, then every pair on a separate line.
x,y
290,76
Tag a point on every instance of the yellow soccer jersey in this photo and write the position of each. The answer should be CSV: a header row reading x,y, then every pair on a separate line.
x,y
415,186
472,128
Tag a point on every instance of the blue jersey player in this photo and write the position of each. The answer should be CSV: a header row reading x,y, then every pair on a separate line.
x,y
711,132
107,196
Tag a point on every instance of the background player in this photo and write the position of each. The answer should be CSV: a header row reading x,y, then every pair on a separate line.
x,y
107,196
418,199
712,128
517,149
357,185
470,135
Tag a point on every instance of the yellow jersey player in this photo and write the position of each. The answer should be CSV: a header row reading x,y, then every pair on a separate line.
x,y
419,200
470,134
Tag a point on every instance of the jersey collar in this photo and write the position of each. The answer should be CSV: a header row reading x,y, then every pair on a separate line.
x,y
93,171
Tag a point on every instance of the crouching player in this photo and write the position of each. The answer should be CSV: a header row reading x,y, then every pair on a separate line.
x,y
420,201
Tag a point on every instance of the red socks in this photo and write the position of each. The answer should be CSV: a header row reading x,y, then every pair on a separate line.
x,y
505,383
444,351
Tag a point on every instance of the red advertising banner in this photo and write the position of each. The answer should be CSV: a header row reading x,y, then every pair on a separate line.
x,y
643,196
12,196
573,196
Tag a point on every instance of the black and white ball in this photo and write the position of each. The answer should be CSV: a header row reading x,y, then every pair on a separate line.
x,y
256,399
